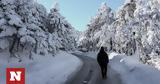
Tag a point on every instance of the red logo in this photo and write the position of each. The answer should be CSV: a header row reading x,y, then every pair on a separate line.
x,y
15,76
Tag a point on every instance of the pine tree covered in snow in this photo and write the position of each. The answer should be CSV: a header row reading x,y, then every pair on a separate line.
x,y
135,30
24,30
91,36
22,26
141,29
148,16
61,29
123,39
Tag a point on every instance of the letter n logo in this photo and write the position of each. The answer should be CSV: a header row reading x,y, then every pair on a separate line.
x,y
15,76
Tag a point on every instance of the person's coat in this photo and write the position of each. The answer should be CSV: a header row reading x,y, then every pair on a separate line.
x,y
102,57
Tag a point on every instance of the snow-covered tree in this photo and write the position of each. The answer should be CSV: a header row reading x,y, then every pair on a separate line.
x,y
22,26
91,37
135,30
10,23
24,30
147,15
123,41
61,29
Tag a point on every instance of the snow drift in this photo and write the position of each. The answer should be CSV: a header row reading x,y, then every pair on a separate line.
x,y
131,71
43,69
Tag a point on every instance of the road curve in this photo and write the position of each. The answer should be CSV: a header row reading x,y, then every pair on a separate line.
x,y
90,73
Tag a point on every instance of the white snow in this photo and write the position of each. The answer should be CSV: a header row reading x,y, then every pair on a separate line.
x,y
3,44
2,21
14,20
28,39
93,54
134,27
131,71
43,69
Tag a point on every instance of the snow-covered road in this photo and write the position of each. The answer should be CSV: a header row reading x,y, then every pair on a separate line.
x,y
121,70
90,73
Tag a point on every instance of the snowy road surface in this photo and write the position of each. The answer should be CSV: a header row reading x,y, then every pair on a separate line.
x,y
90,73
121,70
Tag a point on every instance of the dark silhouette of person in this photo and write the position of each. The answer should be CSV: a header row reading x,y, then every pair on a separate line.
x,y
103,61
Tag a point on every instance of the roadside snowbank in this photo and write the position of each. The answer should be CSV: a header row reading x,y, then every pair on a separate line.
x,y
131,71
92,54
43,69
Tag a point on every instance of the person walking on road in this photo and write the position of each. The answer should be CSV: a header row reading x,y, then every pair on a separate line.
x,y
103,61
